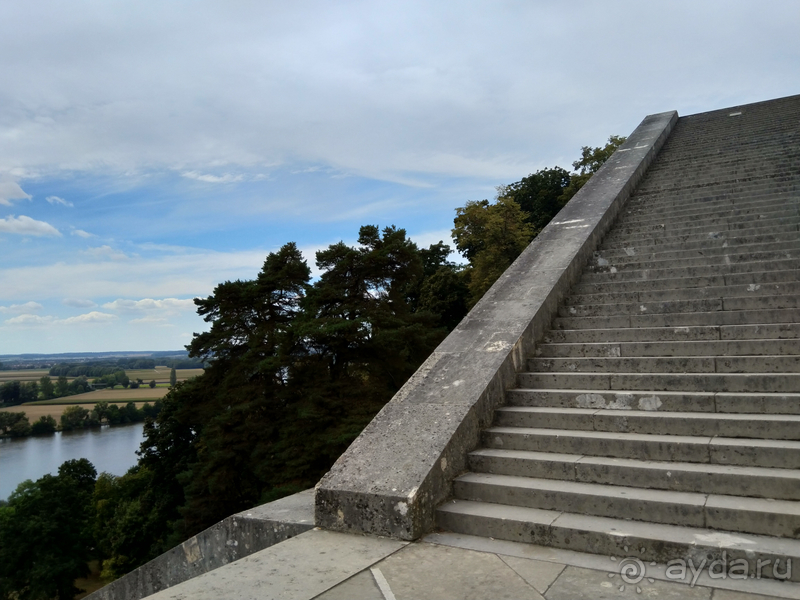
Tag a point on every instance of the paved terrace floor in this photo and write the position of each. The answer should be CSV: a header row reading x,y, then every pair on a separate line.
x,y
336,566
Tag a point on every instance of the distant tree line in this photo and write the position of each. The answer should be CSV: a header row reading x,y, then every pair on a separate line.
x,y
101,368
17,424
296,368
98,369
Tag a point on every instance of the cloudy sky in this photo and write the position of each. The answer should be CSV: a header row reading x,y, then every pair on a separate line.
x,y
150,150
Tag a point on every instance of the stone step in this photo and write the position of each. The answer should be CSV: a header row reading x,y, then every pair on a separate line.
x,y
716,348
647,213
644,201
677,272
702,401
679,226
783,454
731,425
668,364
673,284
682,197
734,303
779,518
790,288
622,538
638,308
712,239
655,253
689,333
637,211
715,243
689,319
599,264
694,213
761,227
657,382
730,480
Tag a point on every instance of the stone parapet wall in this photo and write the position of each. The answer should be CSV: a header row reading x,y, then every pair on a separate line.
x,y
229,540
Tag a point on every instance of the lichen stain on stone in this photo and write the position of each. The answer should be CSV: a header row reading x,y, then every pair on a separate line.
x,y
590,401
443,463
650,403
621,402
498,346
191,550
402,508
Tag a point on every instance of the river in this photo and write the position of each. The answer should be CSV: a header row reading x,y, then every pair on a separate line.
x,y
110,449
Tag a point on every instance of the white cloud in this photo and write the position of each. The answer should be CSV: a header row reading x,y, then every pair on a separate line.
x,y
165,305
93,317
159,321
106,252
28,320
206,178
23,225
185,275
78,303
27,308
81,233
369,87
10,190
56,200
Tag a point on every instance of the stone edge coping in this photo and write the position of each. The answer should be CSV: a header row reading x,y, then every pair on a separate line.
x,y
229,540
392,477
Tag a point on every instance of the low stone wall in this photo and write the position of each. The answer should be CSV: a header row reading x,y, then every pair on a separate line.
x,y
229,540
401,467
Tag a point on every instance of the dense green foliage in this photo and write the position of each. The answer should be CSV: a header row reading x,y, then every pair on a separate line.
x,y
17,392
46,534
491,235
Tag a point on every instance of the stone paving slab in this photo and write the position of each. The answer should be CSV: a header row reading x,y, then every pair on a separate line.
x,y
592,577
297,569
326,565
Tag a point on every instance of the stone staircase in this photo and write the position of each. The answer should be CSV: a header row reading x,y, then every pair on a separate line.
x,y
660,417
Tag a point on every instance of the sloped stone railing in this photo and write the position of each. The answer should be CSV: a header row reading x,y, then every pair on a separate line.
x,y
401,467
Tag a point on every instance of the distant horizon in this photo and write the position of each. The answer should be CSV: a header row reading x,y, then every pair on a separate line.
x,y
92,353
